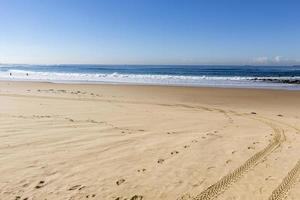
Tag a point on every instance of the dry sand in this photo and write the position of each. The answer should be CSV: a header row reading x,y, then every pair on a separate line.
x,y
61,141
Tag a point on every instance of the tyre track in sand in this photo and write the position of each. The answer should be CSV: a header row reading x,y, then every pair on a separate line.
x,y
220,186
286,124
287,183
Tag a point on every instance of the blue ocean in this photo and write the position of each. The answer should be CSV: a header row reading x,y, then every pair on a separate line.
x,y
276,77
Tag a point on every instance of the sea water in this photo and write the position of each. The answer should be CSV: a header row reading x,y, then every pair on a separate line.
x,y
276,77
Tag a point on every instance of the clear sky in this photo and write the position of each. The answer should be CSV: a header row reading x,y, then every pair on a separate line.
x,y
150,31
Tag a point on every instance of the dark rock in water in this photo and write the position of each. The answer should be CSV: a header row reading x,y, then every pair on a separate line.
x,y
277,80
293,81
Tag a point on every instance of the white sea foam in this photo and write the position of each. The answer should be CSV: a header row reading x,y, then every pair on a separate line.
x,y
223,81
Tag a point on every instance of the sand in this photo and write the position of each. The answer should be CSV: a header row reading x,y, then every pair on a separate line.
x,y
72,141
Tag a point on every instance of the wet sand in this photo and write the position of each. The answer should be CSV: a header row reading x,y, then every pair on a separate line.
x,y
72,141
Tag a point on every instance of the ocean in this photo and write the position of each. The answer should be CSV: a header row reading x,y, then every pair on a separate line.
x,y
274,77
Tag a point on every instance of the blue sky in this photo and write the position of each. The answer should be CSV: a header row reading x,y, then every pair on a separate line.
x,y
257,32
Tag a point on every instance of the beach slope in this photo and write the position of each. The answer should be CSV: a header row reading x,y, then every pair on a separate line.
x,y
72,141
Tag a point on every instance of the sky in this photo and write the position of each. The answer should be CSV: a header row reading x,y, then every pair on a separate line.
x,y
239,32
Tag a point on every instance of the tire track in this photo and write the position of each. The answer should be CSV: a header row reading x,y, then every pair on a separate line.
x,y
221,185
273,120
287,183
286,124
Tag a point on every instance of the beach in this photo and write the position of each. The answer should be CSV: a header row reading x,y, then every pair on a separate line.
x,y
116,142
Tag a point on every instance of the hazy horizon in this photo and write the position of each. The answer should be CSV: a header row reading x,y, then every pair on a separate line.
x,y
124,64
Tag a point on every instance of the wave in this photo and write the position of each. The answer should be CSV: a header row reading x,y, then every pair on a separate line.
x,y
232,81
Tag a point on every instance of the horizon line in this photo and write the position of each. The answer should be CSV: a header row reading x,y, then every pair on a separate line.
x,y
259,65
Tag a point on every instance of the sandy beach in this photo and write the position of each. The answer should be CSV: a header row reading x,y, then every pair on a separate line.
x,y
117,142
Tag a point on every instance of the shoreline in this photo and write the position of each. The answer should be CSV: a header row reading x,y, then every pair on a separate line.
x,y
151,85
266,77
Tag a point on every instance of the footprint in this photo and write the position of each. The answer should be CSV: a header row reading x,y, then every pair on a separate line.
x,y
251,147
228,161
87,196
186,146
81,187
253,113
127,132
25,185
174,152
268,178
141,170
137,197
194,141
76,187
280,115
92,121
160,161
70,120
171,132
119,182
40,185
